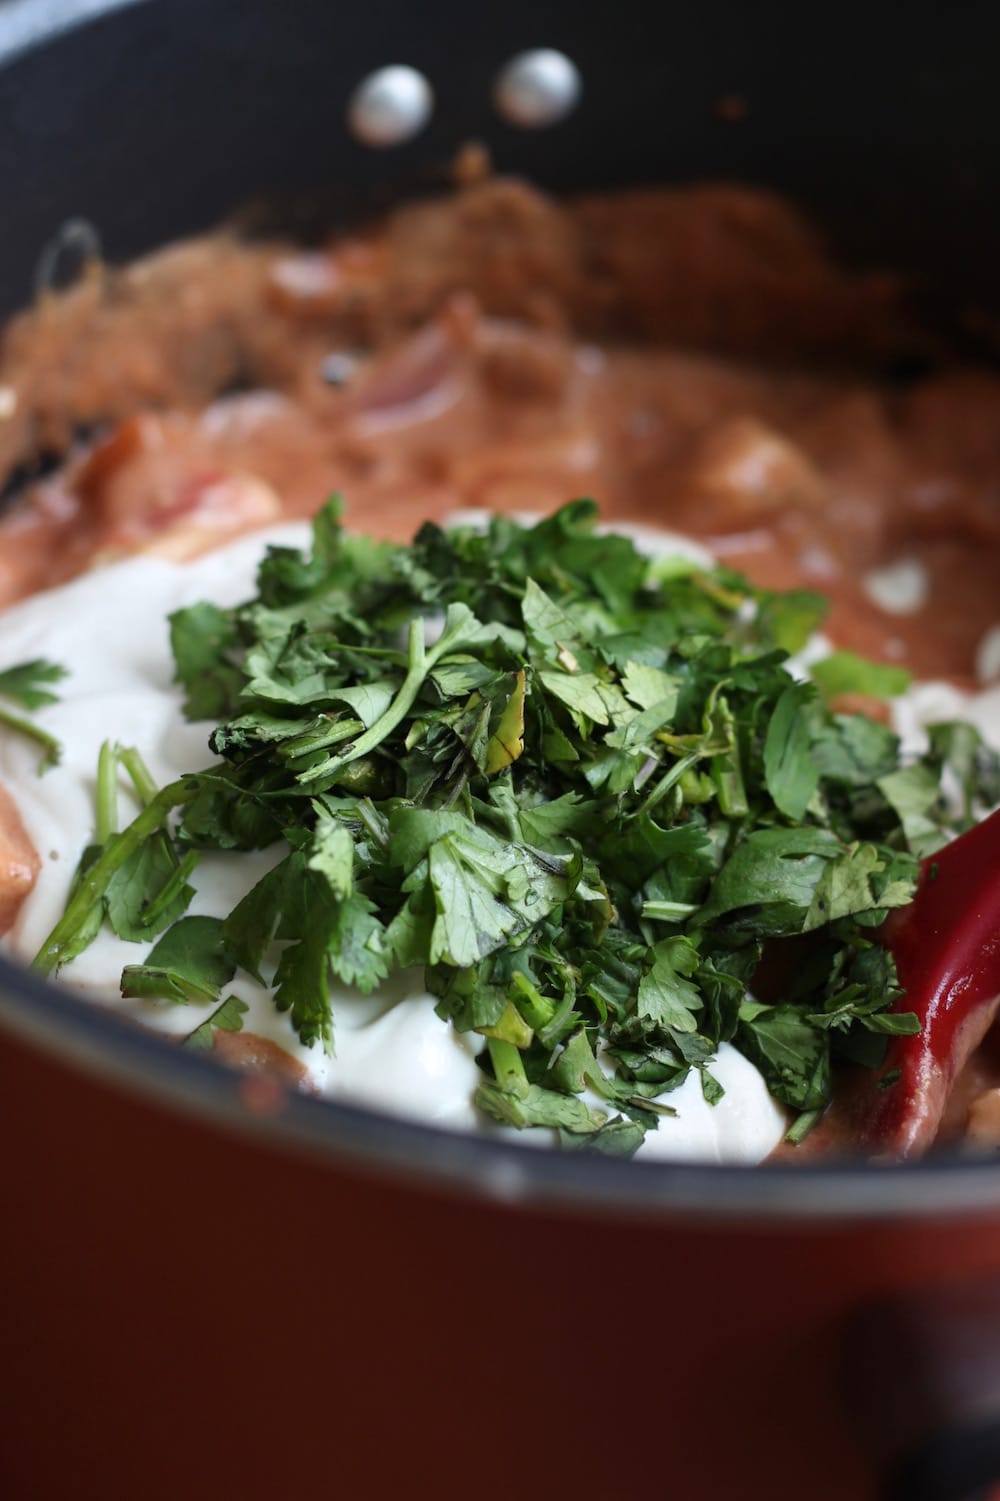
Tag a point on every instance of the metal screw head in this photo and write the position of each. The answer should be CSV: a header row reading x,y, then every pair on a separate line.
x,y
537,88
390,106
72,248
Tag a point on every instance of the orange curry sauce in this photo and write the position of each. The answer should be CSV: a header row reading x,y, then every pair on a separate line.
x,y
690,357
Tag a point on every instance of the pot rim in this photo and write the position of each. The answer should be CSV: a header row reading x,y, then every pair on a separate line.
x,y
29,24
105,1046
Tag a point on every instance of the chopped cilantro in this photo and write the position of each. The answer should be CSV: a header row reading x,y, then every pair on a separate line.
x,y
26,683
189,965
582,791
227,1017
846,672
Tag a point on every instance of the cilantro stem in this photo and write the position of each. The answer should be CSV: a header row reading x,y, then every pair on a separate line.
x,y
461,782
303,746
511,1028
170,889
94,882
801,1126
727,774
507,1066
533,1006
397,711
23,726
644,773
147,982
106,816
553,1031
139,774
668,911
372,821
663,786
420,662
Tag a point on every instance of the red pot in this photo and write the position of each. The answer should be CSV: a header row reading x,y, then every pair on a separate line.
x,y
212,1292
204,1301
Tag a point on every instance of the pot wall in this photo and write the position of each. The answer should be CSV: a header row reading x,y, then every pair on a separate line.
x,y
190,1314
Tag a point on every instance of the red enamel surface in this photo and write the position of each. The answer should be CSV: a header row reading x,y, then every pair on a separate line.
x,y
194,1315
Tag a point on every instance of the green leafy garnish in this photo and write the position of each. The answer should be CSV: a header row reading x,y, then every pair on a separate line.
x,y
26,683
846,672
227,1017
189,965
581,791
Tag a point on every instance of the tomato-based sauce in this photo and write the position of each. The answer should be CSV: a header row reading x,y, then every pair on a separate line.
x,y
692,358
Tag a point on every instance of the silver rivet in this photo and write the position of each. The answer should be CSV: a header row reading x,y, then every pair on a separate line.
x,y
76,245
537,88
390,106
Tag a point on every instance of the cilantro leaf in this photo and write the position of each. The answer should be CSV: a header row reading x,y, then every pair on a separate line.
x,y
149,891
537,1107
251,926
357,946
793,1055
331,853
667,998
583,693
789,770
188,965
26,682
790,619
914,794
850,884
302,979
485,891
204,640
650,687
959,749
846,672
227,1017
776,871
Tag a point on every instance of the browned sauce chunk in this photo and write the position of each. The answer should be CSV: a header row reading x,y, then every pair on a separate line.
x,y
19,862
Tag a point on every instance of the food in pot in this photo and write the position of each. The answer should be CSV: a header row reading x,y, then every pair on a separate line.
x,y
595,815
568,801
690,357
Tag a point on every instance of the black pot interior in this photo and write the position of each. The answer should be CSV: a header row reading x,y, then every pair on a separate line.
x,y
163,116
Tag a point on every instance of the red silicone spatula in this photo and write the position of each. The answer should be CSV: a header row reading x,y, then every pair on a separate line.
x,y
947,950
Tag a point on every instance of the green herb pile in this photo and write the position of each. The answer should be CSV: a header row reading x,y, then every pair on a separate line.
x,y
580,789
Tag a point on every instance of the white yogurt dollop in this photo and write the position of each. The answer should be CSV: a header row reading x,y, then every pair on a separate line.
x,y
935,702
393,1052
